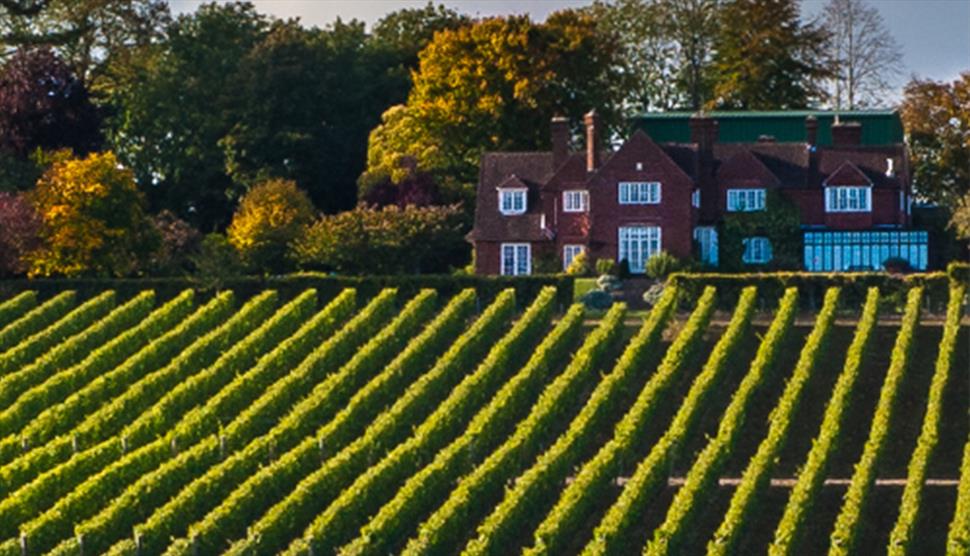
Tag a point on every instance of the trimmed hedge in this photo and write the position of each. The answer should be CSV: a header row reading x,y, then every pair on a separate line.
x,y
290,285
902,533
812,475
13,308
958,538
847,524
614,531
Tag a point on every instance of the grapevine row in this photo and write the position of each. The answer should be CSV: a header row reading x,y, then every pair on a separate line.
x,y
592,482
424,490
16,306
35,319
847,523
757,474
283,475
902,533
614,530
320,488
153,489
30,348
86,411
103,359
100,489
958,538
812,475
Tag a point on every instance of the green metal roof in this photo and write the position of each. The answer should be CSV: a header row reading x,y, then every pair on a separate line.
x,y
879,127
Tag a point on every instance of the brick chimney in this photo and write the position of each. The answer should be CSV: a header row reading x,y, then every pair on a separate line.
x,y
559,136
811,130
846,133
592,121
703,131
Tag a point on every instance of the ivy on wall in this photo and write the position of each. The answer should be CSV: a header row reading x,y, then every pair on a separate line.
x,y
779,222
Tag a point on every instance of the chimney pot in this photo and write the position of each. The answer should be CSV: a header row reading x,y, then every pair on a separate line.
x,y
559,138
592,121
846,133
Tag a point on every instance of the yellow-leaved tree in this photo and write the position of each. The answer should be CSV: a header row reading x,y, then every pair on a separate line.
x,y
270,216
92,219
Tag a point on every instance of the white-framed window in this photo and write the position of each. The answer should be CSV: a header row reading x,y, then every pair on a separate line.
x,y
637,244
851,198
511,201
706,238
516,259
569,252
695,198
745,200
639,192
757,250
576,200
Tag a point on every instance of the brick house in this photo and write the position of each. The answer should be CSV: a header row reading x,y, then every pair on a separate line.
x,y
853,197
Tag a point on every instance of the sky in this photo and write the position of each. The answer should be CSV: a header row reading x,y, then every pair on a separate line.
x,y
934,34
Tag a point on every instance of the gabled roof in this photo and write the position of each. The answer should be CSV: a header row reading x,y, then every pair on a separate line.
x,y
511,169
788,162
847,174
745,169
870,161
512,182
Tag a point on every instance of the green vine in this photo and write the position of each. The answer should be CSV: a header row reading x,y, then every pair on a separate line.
x,y
779,222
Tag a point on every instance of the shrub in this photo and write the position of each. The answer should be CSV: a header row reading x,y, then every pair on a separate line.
x,y
653,294
606,266
92,219
896,265
270,216
179,242
217,260
661,265
598,299
608,283
623,269
579,266
19,226
389,240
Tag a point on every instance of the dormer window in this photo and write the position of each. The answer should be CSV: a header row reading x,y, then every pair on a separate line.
x,y
639,193
575,201
853,198
511,201
745,200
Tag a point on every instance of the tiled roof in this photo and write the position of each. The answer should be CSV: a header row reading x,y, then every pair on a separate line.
x,y
527,168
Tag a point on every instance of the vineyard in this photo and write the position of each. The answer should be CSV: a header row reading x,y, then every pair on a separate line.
x,y
431,424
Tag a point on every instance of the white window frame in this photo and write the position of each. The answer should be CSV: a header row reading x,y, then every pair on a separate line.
x,y
757,250
848,198
637,244
695,198
745,200
516,265
638,192
575,200
569,252
512,194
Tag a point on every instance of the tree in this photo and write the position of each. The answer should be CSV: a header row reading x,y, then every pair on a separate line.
x,y
665,50
936,117
766,58
44,105
494,85
404,33
19,229
92,219
863,55
961,217
306,100
779,222
390,240
270,216
174,101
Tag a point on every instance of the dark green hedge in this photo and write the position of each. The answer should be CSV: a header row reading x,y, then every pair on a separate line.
x,y
487,287
812,286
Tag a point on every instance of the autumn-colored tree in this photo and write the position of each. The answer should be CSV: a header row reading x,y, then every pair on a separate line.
x,y
389,240
936,117
19,229
92,217
179,242
269,217
766,58
493,85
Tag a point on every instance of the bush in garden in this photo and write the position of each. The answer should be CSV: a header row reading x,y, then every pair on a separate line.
x,y
606,266
92,219
653,294
608,283
661,265
388,240
270,216
598,300
217,259
19,226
